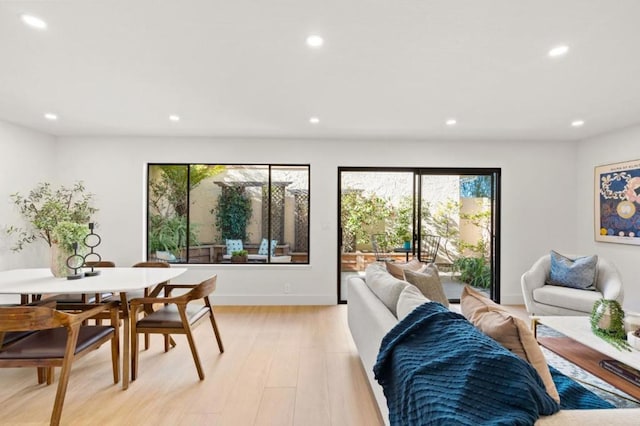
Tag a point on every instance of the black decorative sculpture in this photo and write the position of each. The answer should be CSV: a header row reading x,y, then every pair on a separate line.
x,y
75,262
92,240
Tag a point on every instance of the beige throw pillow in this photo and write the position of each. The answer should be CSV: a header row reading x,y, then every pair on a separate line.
x,y
511,332
428,282
397,269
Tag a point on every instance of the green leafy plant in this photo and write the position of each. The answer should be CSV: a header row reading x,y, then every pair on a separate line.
x,y
169,234
44,208
474,271
171,184
239,256
607,322
66,233
168,190
233,213
401,222
360,215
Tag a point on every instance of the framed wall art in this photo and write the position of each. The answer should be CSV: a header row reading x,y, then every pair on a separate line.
x,y
617,202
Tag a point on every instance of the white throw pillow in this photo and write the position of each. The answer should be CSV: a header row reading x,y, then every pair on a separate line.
x,y
410,298
384,285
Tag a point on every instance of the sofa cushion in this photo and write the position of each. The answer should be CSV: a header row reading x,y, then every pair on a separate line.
x,y
397,269
579,273
428,282
565,297
410,298
384,285
511,332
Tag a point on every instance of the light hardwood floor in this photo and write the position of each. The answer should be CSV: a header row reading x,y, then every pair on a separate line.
x,y
287,365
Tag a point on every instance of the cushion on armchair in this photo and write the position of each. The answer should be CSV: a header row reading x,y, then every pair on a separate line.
x,y
233,245
579,273
264,247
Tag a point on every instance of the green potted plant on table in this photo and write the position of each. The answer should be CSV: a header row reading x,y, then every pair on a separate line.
x,y
239,256
55,216
607,322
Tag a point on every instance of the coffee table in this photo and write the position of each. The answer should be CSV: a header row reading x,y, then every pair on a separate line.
x,y
585,349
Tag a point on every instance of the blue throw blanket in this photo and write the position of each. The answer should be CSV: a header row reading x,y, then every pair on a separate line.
x,y
436,368
574,396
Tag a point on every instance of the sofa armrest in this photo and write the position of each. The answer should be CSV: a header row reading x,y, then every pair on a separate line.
x,y
369,321
609,282
534,278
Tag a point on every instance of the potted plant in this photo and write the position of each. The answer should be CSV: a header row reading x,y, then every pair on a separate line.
x,y
607,322
45,208
239,256
405,236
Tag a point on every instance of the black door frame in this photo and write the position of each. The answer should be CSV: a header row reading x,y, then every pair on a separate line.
x,y
418,172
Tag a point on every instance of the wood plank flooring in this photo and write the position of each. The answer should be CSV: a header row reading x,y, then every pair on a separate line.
x,y
283,365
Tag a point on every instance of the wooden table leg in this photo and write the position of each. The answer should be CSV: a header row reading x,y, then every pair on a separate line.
x,y
126,342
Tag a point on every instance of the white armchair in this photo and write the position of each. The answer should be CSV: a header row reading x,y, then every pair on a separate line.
x,y
542,299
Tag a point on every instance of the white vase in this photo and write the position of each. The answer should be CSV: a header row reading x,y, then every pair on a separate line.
x,y
605,320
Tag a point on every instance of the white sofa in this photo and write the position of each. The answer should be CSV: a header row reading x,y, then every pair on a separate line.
x,y
370,320
543,299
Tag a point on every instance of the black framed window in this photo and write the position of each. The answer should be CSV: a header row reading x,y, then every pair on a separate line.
x,y
228,213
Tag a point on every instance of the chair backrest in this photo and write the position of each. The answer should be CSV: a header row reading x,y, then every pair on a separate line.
x,y
31,318
203,289
100,264
154,264
429,248
376,239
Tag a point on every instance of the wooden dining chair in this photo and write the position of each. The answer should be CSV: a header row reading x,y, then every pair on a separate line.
x,y
146,291
177,315
57,339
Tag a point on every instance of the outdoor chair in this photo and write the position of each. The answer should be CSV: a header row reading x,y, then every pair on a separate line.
x,y
376,239
56,340
177,316
429,248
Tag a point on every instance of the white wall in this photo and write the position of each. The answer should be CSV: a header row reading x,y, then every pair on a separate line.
x,y
538,194
611,148
26,158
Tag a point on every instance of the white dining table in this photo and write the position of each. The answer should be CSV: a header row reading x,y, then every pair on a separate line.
x,y
121,280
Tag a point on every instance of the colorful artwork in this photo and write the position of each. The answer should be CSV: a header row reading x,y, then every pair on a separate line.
x,y
617,196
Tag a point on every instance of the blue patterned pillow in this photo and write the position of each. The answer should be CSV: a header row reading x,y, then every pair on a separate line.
x,y
263,247
577,273
233,245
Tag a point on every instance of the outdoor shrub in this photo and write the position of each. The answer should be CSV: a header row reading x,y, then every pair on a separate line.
x,y
474,271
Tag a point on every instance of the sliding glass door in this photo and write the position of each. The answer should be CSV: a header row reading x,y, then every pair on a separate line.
x,y
446,216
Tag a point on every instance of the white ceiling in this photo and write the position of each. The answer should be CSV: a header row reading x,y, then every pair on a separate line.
x,y
389,68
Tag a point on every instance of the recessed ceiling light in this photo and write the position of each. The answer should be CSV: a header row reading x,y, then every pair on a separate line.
x,y
314,120
315,41
34,22
577,123
451,122
51,116
557,51
174,117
